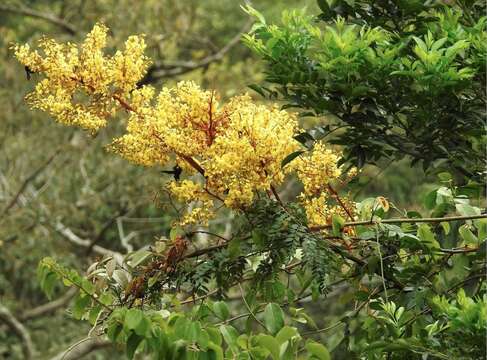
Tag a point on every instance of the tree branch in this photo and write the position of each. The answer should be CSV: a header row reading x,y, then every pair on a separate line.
x,y
49,307
175,68
22,10
19,330
82,348
75,239
26,182
401,221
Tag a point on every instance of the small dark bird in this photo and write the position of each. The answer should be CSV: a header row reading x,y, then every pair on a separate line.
x,y
176,172
28,72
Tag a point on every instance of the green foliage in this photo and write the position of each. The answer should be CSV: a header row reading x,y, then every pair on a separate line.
x,y
283,231
393,79
405,276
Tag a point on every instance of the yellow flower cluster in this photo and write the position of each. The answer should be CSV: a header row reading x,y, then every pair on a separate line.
x,y
316,170
228,152
83,86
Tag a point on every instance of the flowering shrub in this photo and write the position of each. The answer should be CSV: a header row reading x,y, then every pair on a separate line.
x,y
236,148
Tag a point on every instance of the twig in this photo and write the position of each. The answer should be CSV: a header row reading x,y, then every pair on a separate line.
x,y
81,348
342,204
249,309
49,307
26,182
381,261
169,69
67,27
401,221
105,228
75,239
459,250
19,330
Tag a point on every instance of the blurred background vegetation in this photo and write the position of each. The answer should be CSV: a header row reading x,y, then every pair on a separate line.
x,y
61,194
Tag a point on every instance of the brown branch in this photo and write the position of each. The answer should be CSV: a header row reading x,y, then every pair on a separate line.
x,y
75,239
193,163
105,228
49,307
169,69
402,221
342,204
204,251
22,10
459,250
19,330
26,182
82,348
276,195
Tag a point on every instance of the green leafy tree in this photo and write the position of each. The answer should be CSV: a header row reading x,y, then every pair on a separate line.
x,y
393,79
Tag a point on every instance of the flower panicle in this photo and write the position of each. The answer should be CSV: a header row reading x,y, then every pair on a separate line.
x,y
226,152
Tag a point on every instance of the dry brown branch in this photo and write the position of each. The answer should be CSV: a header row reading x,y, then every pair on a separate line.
x,y
82,348
19,330
25,11
174,68
49,307
75,239
26,182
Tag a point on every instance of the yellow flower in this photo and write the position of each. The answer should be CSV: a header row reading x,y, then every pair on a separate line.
x,y
231,151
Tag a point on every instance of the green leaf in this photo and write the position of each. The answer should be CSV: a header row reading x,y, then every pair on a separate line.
x,y
427,236
273,318
220,308
215,336
93,314
48,283
133,317
446,227
467,210
318,350
252,12
481,225
138,257
430,200
192,332
444,177
79,306
337,224
257,89
291,157
136,320
467,235
286,333
88,286
269,343
215,351
114,329
133,343
242,341
230,335
324,7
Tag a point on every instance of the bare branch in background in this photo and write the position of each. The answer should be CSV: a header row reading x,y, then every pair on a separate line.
x,y
19,330
82,348
26,182
123,211
22,10
75,239
49,307
174,68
